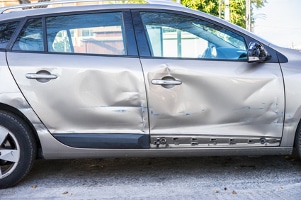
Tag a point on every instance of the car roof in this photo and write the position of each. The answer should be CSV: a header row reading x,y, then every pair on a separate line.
x,y
158,5
42,11
69,4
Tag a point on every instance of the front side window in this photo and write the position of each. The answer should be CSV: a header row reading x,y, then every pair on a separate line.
x,y
96,33
6,31
31,37
180,36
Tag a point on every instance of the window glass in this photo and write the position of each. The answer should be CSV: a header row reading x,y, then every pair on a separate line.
x,y
6,31
98,33
31,37
173,35
61,42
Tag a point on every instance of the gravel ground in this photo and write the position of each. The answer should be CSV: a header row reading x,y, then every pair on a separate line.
x,y
268,177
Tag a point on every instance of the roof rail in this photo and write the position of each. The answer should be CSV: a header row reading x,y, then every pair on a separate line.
x,y
45,4
61,2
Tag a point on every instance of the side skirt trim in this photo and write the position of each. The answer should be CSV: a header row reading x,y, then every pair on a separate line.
x,y
197,141
171,152
104,141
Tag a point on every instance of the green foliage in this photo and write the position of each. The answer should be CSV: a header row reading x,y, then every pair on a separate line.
x,y
237,8
238,12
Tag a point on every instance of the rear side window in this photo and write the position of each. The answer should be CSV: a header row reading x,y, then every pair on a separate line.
x,y
31,37
6,31
95,33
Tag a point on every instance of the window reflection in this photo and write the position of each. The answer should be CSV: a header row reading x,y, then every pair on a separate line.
x,y
99,33
6,31
172,35
31,37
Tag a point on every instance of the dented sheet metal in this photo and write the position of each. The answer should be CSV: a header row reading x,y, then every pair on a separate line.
x,y
91,94
215,98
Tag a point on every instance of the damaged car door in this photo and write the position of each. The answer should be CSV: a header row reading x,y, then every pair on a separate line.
x,y
202,92
83,78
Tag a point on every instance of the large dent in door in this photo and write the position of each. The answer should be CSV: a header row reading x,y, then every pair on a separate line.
x,y
92,94
101,100
244,99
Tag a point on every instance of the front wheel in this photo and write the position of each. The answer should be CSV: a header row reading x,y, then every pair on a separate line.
x,y
17,149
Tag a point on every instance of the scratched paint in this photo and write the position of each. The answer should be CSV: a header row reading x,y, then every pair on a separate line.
x,y
227,99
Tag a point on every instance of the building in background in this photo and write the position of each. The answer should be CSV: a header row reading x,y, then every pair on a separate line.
x,y
4,3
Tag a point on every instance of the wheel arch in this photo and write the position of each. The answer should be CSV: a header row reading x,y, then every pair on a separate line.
x,y
297,141
18,113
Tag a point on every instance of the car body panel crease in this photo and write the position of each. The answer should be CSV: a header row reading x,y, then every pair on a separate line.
x,y
93,99
195,106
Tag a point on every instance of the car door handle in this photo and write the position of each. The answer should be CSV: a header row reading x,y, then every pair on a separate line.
x,y
41,76
166,82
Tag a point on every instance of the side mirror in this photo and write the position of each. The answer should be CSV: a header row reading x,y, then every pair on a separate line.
x,y
257,53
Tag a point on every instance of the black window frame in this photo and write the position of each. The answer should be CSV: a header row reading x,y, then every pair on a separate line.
x,y
19,21
129,34
144,48
19,32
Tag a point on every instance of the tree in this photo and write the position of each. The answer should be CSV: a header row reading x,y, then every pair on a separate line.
x,y
216,8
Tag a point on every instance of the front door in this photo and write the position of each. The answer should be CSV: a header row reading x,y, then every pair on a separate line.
x,y
202,91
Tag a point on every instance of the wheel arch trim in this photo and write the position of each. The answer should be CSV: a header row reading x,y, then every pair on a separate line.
x,y
22,116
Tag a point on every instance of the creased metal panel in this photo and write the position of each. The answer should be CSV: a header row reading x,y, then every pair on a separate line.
x,y
215,97
91,94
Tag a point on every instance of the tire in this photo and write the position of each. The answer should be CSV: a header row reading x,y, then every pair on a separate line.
x,y
297,149
17,149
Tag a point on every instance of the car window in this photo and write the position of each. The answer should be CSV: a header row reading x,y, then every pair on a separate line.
x,y
96,33
180,36
31,37
6,31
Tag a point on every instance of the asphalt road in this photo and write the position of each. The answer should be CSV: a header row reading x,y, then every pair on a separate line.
x,y
268,177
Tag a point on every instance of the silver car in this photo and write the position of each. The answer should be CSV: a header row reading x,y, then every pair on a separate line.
x,y
147,80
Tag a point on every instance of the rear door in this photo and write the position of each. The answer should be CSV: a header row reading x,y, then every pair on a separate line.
x,y
83,78
201,89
